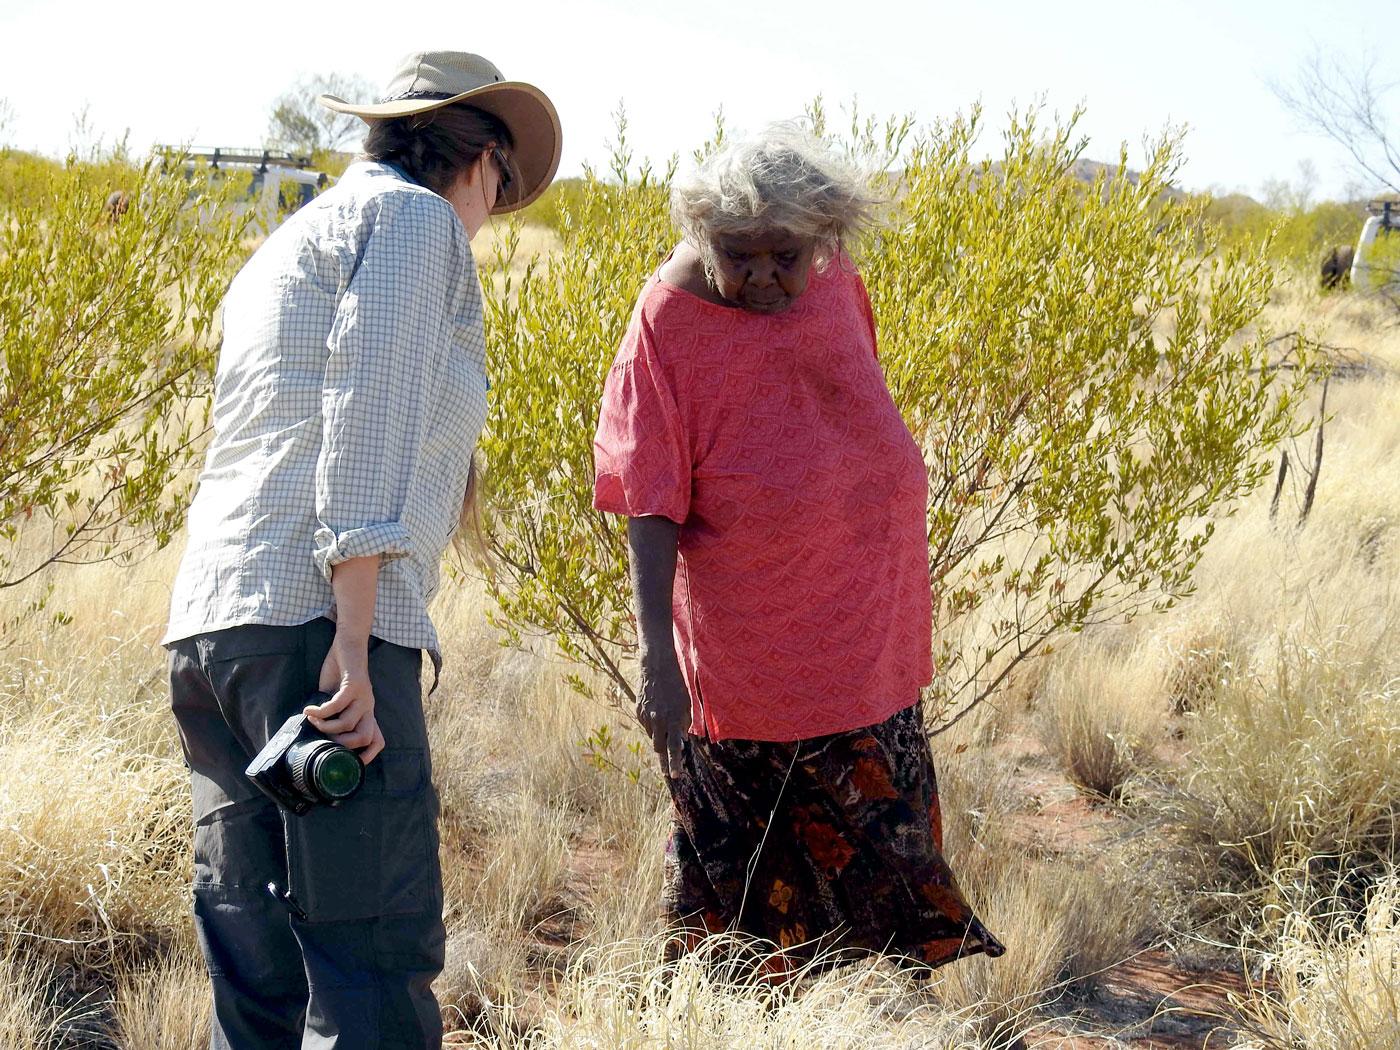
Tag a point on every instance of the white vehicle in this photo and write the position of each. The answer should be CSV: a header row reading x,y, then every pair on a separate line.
x,y
278,183
1381,229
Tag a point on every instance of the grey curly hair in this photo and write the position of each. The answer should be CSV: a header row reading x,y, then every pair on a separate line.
x,y
783,178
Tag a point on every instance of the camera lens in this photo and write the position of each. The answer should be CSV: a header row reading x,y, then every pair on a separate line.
x,y
337,773
324,771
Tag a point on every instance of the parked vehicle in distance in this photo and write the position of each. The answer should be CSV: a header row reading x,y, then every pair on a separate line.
x,y
278,183
1377,257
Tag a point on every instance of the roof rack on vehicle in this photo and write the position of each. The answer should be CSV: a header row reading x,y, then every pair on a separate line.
x,y
224,155
1388,210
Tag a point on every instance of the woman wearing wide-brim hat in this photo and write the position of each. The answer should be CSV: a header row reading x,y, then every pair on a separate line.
x,y
350,392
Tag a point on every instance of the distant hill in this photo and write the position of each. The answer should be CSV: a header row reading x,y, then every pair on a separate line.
x,y
1235,208
1087,170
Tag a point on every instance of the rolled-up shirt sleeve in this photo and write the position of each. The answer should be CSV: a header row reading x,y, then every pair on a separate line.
x,y
390,321
641,451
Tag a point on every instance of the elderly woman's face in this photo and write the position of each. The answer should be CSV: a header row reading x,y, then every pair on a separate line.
x,y
764,273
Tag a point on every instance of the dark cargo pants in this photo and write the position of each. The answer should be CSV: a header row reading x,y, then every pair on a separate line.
x,y
347,960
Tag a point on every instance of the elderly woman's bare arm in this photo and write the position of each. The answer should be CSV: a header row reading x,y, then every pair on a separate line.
x,y
663,703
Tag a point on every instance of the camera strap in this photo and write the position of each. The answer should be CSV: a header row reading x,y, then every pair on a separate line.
x,y
284,896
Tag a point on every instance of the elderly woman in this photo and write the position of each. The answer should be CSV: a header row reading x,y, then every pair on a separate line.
x,y
776,506
350,391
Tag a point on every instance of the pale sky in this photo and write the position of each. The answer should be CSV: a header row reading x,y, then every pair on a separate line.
x,y
207,73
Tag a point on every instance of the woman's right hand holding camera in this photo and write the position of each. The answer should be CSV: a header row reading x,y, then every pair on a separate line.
x,y
348,716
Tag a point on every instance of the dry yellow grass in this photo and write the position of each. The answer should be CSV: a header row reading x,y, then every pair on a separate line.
x,y
1084,917
1280,673
624,997
1282,667
1098,720
29,1017
165,1007
94,807
1299,759
1330,984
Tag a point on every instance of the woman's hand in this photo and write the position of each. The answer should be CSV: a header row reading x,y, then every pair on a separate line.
x,y
663,708
663,702
348,716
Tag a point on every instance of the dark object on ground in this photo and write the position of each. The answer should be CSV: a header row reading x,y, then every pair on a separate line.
x,y
1336,267
118,201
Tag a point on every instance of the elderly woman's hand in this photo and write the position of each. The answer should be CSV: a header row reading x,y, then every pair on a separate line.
x,y
663,702
663,708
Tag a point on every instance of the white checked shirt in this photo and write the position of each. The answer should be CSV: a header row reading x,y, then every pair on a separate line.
x,y
350,392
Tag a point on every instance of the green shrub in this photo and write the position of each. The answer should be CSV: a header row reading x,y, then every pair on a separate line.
x,y
563,198
108,336
551,335
1296,235
24,176
1071,364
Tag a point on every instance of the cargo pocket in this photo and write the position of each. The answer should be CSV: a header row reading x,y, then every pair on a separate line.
x,y
376,854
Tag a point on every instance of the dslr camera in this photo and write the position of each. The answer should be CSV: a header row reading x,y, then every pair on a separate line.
x,y
301,767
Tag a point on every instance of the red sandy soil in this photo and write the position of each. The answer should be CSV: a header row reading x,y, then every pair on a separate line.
x,y
1152,1001
1149,1003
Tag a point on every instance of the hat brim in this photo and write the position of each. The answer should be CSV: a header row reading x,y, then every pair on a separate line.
x,y
525,110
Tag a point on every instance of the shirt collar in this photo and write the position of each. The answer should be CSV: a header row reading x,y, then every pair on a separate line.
x,y
381,167
400,172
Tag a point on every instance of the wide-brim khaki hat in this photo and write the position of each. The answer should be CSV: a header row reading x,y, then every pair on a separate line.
x,y
428,80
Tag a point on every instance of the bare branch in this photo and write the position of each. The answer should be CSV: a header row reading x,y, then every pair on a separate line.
x,y
299,122
1344,102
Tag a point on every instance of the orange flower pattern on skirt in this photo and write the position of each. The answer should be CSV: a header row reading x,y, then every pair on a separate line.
x,y
821,845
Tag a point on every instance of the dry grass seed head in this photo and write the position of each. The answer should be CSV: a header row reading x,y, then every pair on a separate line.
x,y
31,1017
626,996
1294,764
1025,903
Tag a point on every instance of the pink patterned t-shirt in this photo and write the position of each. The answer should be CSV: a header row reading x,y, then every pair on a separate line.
x,y
802,602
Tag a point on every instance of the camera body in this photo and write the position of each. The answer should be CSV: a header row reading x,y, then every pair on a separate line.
x,y
301,767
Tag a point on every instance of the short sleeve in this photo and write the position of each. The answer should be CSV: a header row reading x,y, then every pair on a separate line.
x,y
864,296
641,452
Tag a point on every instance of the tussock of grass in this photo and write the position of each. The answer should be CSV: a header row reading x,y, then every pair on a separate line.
x,y
522,864
1298,760
1331,983
630,909
626,997
519,799
1063,922
1107,918
30,1019
1002,996
166,1007
1202,663
94,833
1101,715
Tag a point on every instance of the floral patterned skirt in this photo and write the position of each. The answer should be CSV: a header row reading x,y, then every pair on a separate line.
x,y
819,846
